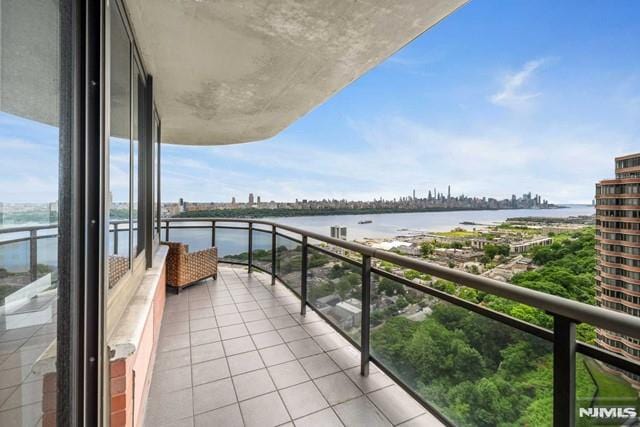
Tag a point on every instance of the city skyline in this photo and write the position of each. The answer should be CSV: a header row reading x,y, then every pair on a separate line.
x,y
427,194
483,101
462,104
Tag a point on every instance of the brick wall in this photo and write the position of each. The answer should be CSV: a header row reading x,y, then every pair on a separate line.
x,y
129,378
49,399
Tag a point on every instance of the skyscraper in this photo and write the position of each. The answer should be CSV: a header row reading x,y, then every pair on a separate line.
x,y
250,198
618,252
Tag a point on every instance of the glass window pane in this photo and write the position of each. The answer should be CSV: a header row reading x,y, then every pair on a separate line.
x,y
29,143
135,162
119,149
47,256
14,264
155,171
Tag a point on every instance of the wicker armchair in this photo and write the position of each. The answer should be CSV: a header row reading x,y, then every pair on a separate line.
x,y
118,267
184,268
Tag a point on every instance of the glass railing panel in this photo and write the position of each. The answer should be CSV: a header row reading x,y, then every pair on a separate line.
x,y
262,249
605,395
47,257
119,245
289,262
232,244
334,287
197,238
474,370
14,267
163,232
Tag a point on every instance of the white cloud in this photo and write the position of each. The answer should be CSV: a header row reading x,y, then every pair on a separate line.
x,y
513,93
396,155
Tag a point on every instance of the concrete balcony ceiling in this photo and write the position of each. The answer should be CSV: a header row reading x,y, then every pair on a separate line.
x,y
227,72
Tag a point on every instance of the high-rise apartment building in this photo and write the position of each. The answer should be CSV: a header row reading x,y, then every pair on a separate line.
x,y
618,251
339,232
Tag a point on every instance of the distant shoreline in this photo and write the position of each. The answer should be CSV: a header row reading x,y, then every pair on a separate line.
x,y
284,213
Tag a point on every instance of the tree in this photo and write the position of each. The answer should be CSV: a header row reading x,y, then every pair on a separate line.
x,y
401,303
390,341
456,245
427,249
444,286
440,354
390,287
490,402
493,249
411,274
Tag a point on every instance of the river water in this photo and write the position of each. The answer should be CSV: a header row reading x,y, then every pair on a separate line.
x,y
15,256
389,225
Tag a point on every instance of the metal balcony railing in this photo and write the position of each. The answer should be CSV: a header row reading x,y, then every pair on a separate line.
x,y
271,238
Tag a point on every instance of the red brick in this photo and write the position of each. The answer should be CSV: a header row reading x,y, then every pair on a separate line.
x,y
118,385
118,368
49,402
49,420
50,382
118,418
119,403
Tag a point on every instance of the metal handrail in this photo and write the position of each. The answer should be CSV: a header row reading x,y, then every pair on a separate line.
x,y
576,311
566,313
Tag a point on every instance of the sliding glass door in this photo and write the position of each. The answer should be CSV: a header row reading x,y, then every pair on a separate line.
x,y
78,179
30,165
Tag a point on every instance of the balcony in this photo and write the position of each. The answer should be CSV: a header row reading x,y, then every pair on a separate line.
x,y
236,351
229,348
273,268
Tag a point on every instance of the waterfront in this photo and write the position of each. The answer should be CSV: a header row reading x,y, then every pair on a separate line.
x,y
392,225
15,257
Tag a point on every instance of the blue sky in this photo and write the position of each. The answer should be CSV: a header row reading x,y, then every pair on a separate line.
x,y
502,97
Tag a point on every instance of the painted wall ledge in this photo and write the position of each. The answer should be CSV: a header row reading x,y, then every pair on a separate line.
x,y
128,333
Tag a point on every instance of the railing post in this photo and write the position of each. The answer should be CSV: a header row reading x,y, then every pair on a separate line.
x,y
115,237
303,276
33,254
273,254
166,231
250,246
366,312
213,233
564,371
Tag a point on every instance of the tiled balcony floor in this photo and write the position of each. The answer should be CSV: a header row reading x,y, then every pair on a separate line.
x,y
24,335
236,352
